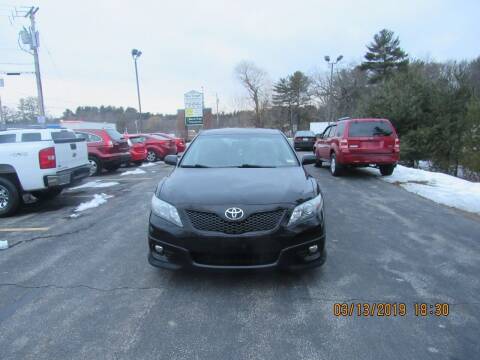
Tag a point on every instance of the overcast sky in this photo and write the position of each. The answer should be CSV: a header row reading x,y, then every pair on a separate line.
x,y
85,45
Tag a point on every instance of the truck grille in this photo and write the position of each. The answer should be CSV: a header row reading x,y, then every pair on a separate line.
x,y
261,221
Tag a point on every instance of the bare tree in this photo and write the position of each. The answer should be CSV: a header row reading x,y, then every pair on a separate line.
x,y
254,79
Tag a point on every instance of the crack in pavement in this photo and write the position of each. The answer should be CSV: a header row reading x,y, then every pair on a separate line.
x,y
338,299
51,236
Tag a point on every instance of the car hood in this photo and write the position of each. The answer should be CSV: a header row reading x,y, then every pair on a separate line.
x,y
236,186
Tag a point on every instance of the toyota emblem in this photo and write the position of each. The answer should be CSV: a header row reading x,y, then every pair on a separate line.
x,y
234,213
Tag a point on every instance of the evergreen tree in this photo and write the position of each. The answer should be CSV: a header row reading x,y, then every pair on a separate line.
x,y
384,56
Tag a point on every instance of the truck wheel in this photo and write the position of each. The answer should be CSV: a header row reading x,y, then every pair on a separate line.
x,y
151,156
95,166
9,197
335,167
386,170
47,194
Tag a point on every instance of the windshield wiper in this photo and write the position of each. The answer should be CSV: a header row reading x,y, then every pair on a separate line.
x,y
195,166
254,166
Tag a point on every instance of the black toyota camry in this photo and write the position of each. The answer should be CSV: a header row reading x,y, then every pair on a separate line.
x,y
237,199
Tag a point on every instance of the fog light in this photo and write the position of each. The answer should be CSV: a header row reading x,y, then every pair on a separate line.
x,y
158,249
313,249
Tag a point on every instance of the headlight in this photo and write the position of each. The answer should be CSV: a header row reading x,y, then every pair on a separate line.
x,y
306,210
165,211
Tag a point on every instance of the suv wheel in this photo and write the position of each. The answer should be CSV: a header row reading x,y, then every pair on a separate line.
x,y
335,167
9,197
386,170
95,166
151,156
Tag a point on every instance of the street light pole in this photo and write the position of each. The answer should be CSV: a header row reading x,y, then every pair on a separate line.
x,y
135,55
330,100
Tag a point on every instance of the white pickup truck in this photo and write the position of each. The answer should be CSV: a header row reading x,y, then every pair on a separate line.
x,y
39,161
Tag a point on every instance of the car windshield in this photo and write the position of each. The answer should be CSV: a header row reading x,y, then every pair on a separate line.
x,y
137,139
305,133
240,150
114,134
369,128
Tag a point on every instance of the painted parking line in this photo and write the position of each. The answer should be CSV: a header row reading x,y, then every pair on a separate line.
x,y
24,229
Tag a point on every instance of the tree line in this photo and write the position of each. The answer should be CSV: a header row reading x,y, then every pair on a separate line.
x,y
435,106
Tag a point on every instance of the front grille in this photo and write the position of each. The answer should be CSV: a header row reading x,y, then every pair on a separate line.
x,y
261,221
234,259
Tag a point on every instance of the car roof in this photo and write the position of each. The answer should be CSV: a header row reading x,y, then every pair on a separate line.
x,y
363,119
234,131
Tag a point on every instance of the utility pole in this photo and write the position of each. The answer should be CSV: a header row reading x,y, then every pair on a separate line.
x,y
330,100
135,55
218,120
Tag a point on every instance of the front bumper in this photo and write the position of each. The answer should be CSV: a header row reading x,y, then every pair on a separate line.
x,y
281,248
68,177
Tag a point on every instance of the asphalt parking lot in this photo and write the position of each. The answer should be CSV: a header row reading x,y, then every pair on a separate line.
x,y
80,287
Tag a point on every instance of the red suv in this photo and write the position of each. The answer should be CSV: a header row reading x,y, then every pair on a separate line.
x,y
359,143
107,149
178,141
159,146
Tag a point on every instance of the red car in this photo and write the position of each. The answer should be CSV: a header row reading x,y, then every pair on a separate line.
x,y
159,146
357,143
178,141
107,149
138,148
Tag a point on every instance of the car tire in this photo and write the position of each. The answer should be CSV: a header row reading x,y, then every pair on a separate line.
x,y
111,168
386,170
95,166
151,156
47,194
335,167
10,198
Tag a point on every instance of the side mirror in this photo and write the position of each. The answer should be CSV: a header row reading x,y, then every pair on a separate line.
x,y
171,159
308,159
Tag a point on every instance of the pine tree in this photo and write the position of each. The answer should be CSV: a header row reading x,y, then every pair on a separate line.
x,y
384,56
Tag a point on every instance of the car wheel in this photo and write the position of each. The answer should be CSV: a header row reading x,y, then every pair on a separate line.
x,y
95,166
9,197
151,156
386,170
335,167
47,194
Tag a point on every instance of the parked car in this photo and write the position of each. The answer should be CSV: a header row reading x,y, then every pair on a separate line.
x,y
238,199
107,149
178,141
304,140
41,162
138,148
159,146
357,143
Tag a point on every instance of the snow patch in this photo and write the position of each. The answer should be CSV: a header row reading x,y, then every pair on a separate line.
x,y
3,244
95,184
442,188
98,199
433,350
133,172
74,216
148,164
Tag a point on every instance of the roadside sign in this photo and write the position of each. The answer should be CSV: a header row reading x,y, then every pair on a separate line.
x,y
193,108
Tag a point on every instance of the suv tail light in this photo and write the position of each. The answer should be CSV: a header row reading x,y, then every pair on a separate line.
x,y
397,145
46,158
343,144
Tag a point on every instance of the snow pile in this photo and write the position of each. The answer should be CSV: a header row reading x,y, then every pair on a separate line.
x,y
441,188
148,164
3,244
95,184
133,172
98,199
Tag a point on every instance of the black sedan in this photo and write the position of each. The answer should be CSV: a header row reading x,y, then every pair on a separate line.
x,y
304,140
237,199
